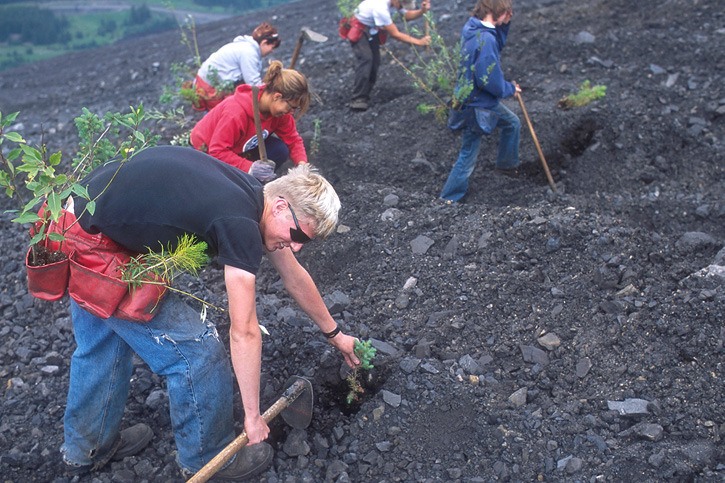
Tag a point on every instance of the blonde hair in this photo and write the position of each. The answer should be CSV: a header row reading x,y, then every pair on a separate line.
x,y
310,195
288,82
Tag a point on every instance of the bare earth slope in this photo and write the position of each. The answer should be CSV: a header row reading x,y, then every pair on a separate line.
x,y
523,335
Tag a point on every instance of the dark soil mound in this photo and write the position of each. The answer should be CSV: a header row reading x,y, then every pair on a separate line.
x,y
524,335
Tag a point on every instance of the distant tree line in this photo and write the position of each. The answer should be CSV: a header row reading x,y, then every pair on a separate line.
x,y
32,24
40,26
24,27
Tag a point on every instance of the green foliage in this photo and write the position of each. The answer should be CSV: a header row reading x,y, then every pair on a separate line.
x,y
39,26
183,89
222,87
188,39
186,257
586,94
116,135
33,176
365,352
175,116
347,7
29,175
435,71
46,38
138,15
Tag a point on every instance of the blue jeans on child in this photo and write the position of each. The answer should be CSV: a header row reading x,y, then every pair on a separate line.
x,y
508,152
176,344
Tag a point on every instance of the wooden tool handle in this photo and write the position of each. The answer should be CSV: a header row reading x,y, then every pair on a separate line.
x,y
296,52
258,124
536,143
240,441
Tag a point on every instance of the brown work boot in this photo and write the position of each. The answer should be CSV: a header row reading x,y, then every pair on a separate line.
x,y
133,440
130,442
249,461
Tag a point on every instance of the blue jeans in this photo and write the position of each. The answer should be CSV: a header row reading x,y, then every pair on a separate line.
x,y
508,152
276,149
175,344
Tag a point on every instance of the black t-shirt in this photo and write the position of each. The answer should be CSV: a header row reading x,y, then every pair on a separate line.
x,y
165,192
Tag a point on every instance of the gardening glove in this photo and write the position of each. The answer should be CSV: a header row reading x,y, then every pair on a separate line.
x,y
263,170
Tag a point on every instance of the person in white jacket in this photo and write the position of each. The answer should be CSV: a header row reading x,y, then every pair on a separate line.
x,y
238,62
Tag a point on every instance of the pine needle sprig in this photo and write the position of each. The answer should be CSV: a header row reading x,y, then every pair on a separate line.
x,y
188,256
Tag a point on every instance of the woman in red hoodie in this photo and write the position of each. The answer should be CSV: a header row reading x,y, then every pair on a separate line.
x,y
227,132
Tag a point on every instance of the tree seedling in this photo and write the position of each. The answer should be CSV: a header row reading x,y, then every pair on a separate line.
x,y
365,352
586,94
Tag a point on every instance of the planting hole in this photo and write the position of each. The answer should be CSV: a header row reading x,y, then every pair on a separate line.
x,y
580,138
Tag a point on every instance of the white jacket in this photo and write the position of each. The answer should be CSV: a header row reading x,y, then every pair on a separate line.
x,y
239,61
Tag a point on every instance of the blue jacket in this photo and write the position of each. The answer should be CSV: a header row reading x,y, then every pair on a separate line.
x,y
481,65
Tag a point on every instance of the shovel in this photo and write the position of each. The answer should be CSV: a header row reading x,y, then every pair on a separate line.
x,y
307,34
536,142
295,404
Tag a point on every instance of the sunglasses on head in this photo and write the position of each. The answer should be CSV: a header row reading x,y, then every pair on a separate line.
x,y
296,233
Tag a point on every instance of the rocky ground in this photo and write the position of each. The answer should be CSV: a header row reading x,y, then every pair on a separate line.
x,y
525,335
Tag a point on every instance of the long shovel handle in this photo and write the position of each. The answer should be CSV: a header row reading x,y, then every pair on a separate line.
x,y
536,142
258,124
296,52
240,441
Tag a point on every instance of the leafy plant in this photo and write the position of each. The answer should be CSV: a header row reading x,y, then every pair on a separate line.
x,y
435,72
183,89
29,175
34,177
365,352
586,94
110,137
347,7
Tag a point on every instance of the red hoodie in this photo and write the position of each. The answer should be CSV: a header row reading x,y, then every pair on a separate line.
x,y
227,130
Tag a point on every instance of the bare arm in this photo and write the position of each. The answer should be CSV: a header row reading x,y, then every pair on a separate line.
x,y
393,31
302,288
413,14
246,347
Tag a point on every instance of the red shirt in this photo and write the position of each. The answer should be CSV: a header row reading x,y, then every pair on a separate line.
x,y
228,130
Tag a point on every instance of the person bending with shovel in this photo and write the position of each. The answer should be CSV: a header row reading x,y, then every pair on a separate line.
x,y
150,202
228,131
482,38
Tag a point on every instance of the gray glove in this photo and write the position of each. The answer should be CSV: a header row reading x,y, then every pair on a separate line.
x,y
263,170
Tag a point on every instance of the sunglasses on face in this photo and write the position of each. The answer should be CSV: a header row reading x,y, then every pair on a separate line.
x,y
296,233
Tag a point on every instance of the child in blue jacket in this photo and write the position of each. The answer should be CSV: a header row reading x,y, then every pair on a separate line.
x,y
481,84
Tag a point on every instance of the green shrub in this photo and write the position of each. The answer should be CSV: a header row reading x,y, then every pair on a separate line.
x,y
435,71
